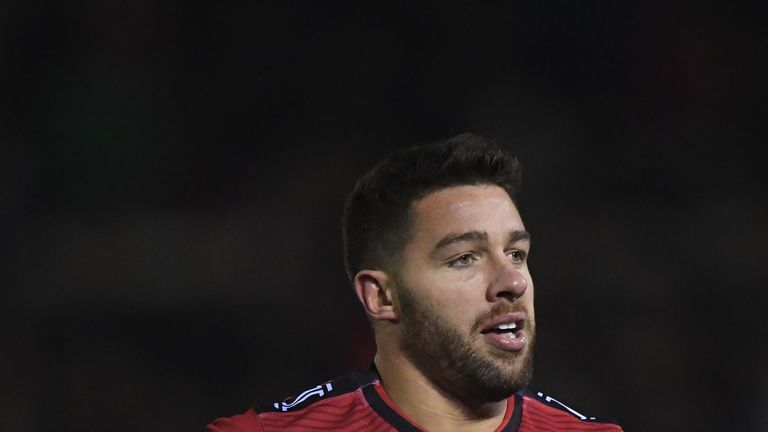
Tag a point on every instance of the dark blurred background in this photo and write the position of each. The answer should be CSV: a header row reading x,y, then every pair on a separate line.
x,y
172,178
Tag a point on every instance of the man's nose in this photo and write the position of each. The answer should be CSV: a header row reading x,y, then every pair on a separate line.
x,y
509,283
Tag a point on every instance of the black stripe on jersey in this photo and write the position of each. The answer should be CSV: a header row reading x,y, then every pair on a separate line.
x,y
385,411
403,425
517,415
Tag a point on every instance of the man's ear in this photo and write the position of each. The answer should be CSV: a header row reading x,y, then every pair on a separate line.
x,y
374,290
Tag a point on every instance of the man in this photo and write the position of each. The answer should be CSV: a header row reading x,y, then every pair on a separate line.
x,y
438,256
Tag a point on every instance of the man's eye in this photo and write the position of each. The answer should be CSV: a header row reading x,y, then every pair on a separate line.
x,y
461,261
517,255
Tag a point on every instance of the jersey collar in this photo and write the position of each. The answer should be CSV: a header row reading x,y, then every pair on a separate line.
x,y
386,408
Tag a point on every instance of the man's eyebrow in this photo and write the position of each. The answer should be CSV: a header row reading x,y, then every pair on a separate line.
x,y
519,235
514,236
460,237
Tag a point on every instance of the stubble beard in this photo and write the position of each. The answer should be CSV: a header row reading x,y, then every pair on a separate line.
x,y
454,363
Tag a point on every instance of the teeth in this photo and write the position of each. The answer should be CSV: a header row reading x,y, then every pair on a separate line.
x,y
509,326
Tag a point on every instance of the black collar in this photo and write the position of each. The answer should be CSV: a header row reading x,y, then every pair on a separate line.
x,y
382,408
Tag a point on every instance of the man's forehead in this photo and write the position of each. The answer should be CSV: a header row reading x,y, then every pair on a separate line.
x,y
483,208
459,198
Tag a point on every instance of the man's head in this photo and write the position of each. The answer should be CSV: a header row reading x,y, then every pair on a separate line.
x,y
437,251
378,214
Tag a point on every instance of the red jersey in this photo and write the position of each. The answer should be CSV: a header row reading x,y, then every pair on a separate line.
x,y
358,402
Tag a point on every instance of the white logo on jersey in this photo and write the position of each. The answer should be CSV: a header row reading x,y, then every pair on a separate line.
x,y
315,391
571,410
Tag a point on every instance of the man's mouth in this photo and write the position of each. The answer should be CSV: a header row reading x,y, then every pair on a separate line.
x,y
503,328
506,332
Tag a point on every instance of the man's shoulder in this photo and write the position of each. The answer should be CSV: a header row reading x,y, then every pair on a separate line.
x,y
543,412
337,404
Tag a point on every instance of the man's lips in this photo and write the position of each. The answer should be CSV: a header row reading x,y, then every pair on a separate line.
x,y
510,318
506,331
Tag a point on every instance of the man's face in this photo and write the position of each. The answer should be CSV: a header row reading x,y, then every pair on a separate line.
x,y
465,294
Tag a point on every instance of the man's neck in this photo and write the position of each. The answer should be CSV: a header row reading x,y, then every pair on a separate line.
x,y
429,405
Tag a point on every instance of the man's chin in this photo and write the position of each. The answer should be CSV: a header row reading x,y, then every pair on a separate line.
x,y
514,371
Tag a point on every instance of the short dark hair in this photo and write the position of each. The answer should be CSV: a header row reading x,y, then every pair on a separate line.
x,y
377,215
